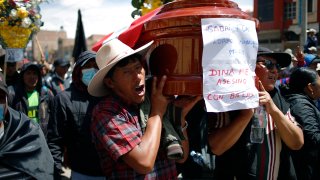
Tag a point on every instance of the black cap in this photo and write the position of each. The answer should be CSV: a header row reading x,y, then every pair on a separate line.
x,y
3,85
30,65
61,62
41,65
84,57
282,58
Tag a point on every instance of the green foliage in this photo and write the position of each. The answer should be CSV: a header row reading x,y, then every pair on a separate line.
x,y
138,4
167,1
135,13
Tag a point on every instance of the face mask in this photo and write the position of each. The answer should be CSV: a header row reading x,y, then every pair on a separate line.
x,y
2,106
87,75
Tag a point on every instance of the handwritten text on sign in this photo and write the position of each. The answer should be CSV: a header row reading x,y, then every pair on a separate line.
x,y
228,61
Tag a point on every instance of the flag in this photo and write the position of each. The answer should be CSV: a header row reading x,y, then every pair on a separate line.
x,y
131,35
80,39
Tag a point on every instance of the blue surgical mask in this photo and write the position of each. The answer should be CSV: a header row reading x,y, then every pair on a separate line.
x,y
87,75
2,106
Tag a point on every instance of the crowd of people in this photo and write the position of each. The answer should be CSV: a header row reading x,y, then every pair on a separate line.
x,y
105,119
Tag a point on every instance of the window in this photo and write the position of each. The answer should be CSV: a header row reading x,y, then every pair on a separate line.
x,y
290,10
265,10
310,6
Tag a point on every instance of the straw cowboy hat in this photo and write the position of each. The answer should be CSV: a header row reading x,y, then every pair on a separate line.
x,y
107,57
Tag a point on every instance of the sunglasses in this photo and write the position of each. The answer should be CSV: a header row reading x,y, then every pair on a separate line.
x,y
269,64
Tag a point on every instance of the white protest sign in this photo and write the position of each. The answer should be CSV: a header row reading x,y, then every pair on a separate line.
x,y
229,58
14,54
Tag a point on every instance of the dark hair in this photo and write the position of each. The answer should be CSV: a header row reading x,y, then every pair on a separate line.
x,y
36,68
124,62
300,78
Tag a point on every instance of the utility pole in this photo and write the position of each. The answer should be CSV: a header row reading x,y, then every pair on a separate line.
x,y
303,22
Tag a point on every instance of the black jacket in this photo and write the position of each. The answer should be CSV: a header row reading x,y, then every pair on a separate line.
x,y
240,160
57,84
70,128
23,147
307,159
17,99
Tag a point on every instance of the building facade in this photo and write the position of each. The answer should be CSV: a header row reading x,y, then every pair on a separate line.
x,y
48,43
280,22
55,44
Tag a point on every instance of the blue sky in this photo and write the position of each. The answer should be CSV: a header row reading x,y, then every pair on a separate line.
x,y
98,16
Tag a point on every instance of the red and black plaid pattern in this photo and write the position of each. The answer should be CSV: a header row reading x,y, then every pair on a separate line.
x,y
116,131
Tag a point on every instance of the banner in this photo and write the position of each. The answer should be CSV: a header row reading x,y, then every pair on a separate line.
x,y
228,62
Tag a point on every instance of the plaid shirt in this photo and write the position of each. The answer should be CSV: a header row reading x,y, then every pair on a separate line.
x,y
116,131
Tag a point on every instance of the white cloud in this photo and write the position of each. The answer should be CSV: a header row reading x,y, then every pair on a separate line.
x,y
245,4
246,8
81,4
104,21
98,16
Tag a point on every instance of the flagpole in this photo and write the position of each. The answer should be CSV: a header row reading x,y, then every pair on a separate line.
x,y
40,49
43,59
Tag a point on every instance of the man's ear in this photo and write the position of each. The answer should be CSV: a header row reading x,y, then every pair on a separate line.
x,y
108,82
309,87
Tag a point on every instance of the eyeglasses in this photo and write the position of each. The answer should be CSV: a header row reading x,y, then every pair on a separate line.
x,y
269,64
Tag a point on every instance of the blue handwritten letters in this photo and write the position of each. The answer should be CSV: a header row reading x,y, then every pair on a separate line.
x,y
229,55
